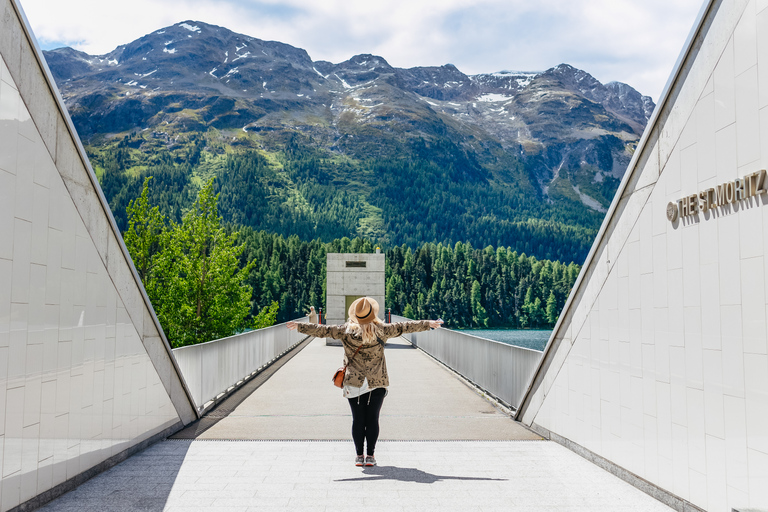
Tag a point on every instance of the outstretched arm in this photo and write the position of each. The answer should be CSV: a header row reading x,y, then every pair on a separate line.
x,y
400,328
316,330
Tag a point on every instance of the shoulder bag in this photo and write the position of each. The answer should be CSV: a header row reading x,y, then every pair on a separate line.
x,y
338,377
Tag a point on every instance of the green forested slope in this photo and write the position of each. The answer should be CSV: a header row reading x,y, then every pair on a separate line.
x,y
428,196
464,286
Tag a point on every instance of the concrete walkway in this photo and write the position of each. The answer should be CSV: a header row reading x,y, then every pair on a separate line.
x,y
282,476
443,447
426,401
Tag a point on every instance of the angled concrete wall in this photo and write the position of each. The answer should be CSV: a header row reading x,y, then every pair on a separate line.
x,y
85,371
659,364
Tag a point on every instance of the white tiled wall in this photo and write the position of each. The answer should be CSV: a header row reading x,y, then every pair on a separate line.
x,y
76,383
668,372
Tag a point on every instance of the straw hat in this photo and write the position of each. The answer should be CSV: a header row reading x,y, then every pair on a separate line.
x,y
364,310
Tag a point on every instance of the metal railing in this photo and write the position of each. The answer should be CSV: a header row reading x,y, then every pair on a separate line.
x,y
211,369
501,370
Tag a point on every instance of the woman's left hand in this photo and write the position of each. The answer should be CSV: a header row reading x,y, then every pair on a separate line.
x,y
434,324
290,325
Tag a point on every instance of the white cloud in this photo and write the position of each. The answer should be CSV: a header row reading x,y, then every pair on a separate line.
x,y
624,40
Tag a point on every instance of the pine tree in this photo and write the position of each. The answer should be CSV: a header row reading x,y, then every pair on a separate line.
x,y
526,310
552,309
143,236
537,313
479,314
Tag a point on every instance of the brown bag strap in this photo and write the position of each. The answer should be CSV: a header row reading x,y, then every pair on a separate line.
x,y
353,355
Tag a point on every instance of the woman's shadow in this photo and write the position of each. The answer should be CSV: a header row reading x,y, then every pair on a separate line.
x,y
408,475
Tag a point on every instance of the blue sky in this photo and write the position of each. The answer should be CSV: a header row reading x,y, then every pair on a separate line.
x,y
623,40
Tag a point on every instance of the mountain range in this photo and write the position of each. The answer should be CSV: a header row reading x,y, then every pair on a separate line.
x,y
529,160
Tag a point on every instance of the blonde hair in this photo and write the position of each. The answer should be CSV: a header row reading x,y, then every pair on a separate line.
x,y
366,331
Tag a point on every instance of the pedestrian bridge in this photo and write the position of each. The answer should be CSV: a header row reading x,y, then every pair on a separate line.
x,y
281,440
293,398
655,372
100,414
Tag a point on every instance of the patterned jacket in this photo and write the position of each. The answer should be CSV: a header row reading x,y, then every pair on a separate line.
x,y
369,363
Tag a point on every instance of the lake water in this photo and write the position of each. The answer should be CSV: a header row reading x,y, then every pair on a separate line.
x,y
529,338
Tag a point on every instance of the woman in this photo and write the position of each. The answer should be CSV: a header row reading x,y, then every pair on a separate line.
x,y
366,380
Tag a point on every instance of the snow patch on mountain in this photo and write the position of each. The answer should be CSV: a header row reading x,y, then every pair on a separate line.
x,y
525,81
511,74
493,98
190,27
343,82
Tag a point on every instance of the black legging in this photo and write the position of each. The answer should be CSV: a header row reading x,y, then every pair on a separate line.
x,y
365,418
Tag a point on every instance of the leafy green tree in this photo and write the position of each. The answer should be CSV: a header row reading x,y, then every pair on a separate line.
x,y
191,271
205,291
143,236
266,316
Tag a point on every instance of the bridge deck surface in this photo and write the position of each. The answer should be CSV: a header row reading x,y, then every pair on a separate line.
x,y
475,458
426,402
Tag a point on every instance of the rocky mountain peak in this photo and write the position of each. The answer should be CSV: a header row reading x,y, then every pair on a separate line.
x,y
366,60
628,98
572,134
619,98
444,82
577,80
358,70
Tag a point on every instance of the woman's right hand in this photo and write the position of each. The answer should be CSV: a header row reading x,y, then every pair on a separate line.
x,y
434,324
291,325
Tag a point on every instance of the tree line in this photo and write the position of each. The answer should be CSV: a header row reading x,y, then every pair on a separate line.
x,y
465,286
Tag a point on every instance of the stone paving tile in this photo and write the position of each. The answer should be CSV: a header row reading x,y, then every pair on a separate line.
x,y
270,502
187,508
535,476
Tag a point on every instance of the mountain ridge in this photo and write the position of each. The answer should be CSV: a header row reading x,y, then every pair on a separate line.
x,y
559,138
